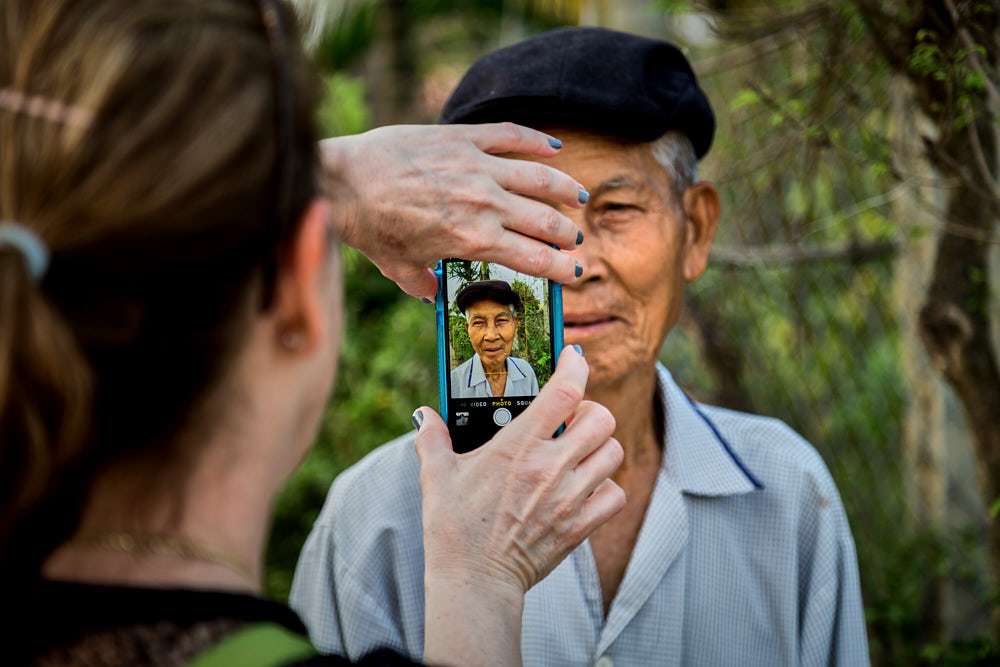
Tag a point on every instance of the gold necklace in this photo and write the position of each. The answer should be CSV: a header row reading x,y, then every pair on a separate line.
x,y
162,545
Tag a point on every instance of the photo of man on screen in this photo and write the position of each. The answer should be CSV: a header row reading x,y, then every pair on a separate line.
x,y
490,311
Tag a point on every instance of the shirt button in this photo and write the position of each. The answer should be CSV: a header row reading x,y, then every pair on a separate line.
x,y
604,661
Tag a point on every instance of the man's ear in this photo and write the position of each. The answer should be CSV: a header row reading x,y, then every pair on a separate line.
x,y
702,208
302,299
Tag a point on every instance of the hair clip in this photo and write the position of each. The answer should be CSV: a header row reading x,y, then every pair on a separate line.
x,y
32,248
39,107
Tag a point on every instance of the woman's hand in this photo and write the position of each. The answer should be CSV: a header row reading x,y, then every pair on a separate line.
x,y
409,195
497,520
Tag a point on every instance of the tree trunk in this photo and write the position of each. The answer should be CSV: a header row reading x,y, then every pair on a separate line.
x,y
955,326
956,41
392,71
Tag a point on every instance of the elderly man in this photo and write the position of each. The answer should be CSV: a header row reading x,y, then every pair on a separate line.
x,y
490,311
733,548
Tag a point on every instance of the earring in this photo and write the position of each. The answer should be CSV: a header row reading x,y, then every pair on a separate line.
x,y
291,339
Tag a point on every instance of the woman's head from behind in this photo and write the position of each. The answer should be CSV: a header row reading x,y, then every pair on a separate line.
x,y
163,152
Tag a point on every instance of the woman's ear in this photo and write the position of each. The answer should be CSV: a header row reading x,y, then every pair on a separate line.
x,y
702,206
302,299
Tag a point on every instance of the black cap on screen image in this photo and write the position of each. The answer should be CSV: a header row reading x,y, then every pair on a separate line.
x,y
492,290
590,78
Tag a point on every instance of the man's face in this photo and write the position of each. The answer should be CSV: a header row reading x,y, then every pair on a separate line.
x,y
639,248
491,330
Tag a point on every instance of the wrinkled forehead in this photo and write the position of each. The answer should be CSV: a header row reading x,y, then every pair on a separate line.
x,y
487,308
614,162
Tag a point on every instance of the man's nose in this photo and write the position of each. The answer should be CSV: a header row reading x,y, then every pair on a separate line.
x,y
590,253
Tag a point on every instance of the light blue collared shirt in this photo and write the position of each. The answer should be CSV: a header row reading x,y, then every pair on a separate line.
x,y
469,380
744,558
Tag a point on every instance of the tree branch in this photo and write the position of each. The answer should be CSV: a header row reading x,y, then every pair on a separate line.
x,y
974,59
793,254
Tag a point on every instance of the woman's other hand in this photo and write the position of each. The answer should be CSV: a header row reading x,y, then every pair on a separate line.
x,y
497,520
409,195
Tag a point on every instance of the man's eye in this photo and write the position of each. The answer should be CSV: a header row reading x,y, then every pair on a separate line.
x,y
618,206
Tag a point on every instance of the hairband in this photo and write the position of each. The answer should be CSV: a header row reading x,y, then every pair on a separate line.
x,y
22,239
39,107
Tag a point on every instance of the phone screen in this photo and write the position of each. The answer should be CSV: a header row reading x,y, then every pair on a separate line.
x,y
498,336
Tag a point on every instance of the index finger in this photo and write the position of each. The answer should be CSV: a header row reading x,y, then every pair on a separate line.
x,y
511,138
558,398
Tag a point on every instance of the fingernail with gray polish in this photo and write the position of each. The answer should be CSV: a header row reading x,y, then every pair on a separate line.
x,y
426,300
579,270
579,350
555,143
579,237
583,196
417,418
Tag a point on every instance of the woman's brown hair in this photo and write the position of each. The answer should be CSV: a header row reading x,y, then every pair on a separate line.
x,y
165,204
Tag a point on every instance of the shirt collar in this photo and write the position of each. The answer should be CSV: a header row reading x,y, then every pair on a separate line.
x,y
696,456
477,370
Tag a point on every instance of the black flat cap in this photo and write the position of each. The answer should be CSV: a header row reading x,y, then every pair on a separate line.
x,y
494,290
592,78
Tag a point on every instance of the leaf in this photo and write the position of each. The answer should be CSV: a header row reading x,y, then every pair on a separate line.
x,y
974,83
995,508
744,98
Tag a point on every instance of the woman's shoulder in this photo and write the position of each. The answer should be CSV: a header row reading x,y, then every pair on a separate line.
x,y
72,623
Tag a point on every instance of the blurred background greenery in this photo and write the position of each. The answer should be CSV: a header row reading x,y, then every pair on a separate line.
x,y
852,291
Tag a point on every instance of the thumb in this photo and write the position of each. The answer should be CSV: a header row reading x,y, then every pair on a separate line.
x,y
433,443
419,282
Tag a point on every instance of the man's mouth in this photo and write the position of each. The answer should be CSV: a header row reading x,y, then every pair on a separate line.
x,y
588,323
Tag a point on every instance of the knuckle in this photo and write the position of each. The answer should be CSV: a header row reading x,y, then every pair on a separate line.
x,y
563,526
563,516
616,451
619,495
567,393
539,261
606,420
475,243
511,131
542,476
543,178
551,222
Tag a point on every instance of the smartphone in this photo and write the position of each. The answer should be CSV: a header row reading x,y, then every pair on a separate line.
x,y
499,334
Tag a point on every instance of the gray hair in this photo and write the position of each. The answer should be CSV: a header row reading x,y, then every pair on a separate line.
x,y
314,16
675,153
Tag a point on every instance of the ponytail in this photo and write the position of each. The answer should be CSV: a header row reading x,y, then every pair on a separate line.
x,y
146,152
45,400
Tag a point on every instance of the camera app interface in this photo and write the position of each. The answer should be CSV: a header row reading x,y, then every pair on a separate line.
x,y
499,344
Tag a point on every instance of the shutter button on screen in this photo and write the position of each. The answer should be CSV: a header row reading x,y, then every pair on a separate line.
x,y
501,417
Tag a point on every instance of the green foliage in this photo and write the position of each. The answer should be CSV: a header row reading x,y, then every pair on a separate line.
x,y
343,109
348,37
673,7
534,345
927,58
961,84
802,158
461,346
975,653
744,98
